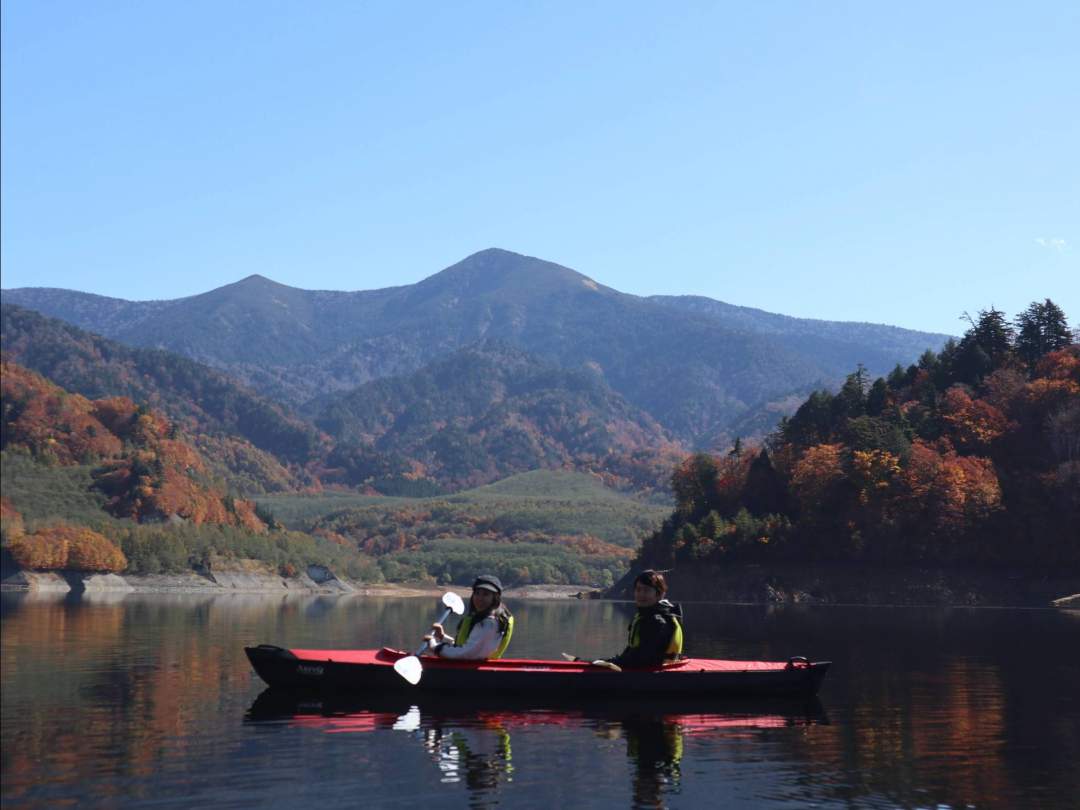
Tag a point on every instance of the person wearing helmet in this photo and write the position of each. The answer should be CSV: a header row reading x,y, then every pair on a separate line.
x,y
484,630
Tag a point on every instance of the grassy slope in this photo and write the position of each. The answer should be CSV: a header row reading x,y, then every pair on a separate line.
x,y
44,494
534,527
555,501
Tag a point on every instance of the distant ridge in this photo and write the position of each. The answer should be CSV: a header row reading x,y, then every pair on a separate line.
x,y
699,367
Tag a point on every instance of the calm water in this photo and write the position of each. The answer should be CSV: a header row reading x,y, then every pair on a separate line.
x,y
149,701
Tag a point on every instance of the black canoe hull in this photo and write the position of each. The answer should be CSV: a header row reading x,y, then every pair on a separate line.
x,y
281,669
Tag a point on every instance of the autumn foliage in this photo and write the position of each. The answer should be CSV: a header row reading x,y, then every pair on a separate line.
x,y
970,456
71,548
144,467
51,423
11,522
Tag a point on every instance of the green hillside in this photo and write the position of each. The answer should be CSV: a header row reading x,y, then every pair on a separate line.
x,y
563,485
541,503
545,526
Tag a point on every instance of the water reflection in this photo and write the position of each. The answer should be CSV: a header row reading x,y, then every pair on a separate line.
x,y
142,700
469,739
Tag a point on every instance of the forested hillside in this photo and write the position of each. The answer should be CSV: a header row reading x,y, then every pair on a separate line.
x,y
109,485
143,468
486,412
970,456
244,434
474,417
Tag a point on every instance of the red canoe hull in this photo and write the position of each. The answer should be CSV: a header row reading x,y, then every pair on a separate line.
x,y
372,671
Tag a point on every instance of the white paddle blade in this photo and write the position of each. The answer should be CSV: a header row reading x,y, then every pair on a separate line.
x,y
569,657
453,602
409,668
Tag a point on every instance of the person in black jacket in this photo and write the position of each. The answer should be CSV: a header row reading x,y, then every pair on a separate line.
x,y
656,633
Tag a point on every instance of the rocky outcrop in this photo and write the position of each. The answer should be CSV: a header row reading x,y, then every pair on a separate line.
x,y
325,579
236,576
41,581
102,582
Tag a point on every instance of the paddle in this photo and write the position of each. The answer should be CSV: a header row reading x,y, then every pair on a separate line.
x,y
410,667
599,663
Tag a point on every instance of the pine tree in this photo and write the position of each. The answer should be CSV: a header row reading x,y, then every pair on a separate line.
x,y
984,347
878,397
1041,328
897,378
766,492
851,400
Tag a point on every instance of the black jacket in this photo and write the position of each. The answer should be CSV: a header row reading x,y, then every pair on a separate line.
x,y
655,626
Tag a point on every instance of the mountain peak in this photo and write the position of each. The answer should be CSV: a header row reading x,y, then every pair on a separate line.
x,y
495,271
255,281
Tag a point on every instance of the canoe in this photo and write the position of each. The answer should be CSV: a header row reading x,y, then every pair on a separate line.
x,y
372,671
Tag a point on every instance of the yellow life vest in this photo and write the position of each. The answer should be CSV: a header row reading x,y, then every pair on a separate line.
x,y
466,627
674,647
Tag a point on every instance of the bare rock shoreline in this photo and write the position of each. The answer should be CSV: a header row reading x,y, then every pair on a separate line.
x,y
244,576
747,584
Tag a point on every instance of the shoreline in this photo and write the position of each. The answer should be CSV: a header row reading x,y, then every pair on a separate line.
x,y
739,585
243,580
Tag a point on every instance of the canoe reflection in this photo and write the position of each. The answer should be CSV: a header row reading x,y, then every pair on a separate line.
x,y
469,738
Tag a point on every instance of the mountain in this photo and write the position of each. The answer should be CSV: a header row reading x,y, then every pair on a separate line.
x,y
696,368
471,417
489,411
831,342
249,435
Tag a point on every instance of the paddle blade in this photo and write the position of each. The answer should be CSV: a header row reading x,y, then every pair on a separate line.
x,y
570,657
409,668
452,602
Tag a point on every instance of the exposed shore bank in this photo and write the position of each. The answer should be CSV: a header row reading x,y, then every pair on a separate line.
x,y
246,576
848,584
747,584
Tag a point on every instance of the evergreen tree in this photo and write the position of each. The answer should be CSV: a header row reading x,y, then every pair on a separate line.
x,y
897,378
1041,328
928,361
878,397
851,401
984,347
812,423
945,373
766,492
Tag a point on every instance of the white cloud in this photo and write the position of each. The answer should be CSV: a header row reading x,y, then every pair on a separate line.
x,y
1053,243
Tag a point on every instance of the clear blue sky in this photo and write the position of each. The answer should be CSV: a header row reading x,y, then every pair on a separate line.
x,y
889,162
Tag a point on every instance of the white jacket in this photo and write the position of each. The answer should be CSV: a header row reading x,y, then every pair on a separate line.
x,y
483,640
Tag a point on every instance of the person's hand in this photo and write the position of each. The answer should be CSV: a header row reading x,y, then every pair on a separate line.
x,y
437,632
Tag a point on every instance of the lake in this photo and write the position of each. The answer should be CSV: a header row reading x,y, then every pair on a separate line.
x,y
148,700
